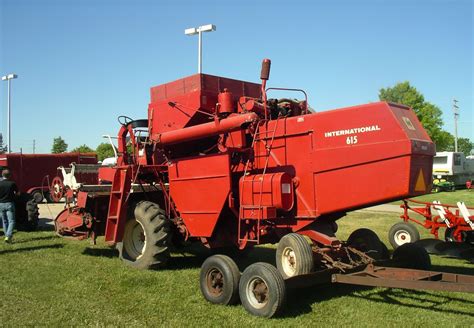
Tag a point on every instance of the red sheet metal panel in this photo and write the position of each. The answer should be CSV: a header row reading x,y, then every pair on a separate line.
x,y
189,94
200,187
352,157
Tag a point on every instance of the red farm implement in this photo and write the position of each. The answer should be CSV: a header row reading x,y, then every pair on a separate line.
x,y
33,174
219,163
456,219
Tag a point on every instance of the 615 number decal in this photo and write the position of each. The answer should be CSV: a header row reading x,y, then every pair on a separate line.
x,y
351,140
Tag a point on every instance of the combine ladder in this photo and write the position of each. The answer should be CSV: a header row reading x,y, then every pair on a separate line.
x,y
117,206
259,207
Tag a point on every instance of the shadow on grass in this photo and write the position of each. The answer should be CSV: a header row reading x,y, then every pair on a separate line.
x,y
433,301
27,240
451,269
29,249
300,300
102,252
44,226
193,257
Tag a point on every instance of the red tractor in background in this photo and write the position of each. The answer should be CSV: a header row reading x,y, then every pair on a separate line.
x,y
217,162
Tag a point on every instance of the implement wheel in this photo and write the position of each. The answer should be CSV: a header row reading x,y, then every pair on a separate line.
x,y
32,214
403,233
146,239
412,256
37,196
367,241
262,290
219,280
56,190
463,237
294,256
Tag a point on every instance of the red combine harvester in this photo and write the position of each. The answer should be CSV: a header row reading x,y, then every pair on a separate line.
x,y
218,163
33,174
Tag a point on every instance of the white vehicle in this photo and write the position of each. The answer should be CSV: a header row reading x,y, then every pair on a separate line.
x,y
454,167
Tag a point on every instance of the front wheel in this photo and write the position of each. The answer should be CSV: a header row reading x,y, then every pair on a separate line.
x,y
294,256
146,239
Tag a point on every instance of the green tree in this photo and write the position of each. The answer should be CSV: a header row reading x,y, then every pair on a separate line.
x,y
59,145
428,114
83,149
3,148
104,150
445,141
464,146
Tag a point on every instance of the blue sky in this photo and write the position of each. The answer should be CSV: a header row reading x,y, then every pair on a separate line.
x,y
83,63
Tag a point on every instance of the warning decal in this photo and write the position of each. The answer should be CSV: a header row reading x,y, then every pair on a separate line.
x,y
420,182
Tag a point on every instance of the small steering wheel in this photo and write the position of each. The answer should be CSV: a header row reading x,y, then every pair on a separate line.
x,y
124,120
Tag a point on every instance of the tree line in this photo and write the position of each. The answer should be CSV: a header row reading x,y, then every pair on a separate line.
x,y
103,150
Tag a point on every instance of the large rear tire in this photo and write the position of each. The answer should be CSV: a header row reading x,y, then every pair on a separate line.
x,y
294,256
146,238
219,280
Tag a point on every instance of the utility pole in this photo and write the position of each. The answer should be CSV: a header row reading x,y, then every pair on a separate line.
x,y
456,116
34,146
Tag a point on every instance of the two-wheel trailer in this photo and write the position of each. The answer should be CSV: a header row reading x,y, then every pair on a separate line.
x,y
262,290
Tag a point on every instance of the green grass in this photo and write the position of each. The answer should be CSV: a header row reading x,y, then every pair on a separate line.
x,y
56,282
448,197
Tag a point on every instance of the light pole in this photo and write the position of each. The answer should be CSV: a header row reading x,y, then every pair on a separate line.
x,y
8,78
199,30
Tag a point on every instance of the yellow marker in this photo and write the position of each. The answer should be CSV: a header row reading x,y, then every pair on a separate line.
x,y
420,182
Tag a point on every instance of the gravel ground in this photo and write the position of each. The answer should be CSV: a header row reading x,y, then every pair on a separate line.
x,y
48,212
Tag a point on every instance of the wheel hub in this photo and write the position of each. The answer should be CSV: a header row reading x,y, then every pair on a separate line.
x,y
289,261
257,293
215,281
402,237
135,244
